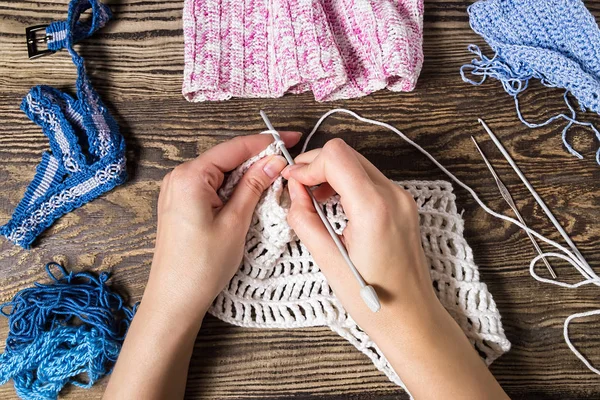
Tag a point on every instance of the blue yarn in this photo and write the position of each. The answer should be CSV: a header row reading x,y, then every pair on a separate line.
x,y
60,331
68,176
556,42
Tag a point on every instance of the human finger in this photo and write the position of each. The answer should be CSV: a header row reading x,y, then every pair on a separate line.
x,y
374,173
228,155
323,192
335,164
306,223
249,190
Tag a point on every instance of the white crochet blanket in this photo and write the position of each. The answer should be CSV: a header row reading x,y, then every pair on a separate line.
x,y
279,285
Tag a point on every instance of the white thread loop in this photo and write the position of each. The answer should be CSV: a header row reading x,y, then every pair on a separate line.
x,y
568,340
588,274
278,141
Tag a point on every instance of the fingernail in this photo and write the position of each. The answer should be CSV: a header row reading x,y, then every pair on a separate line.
x,y
274,166
293,133
286,171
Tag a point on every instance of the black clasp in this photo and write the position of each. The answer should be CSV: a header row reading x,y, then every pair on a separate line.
x,y
33,40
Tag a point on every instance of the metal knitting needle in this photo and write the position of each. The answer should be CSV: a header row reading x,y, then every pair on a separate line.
x,y
537,198
367,292
509,200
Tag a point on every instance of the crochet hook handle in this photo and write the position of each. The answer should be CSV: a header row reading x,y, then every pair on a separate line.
x,y
367,292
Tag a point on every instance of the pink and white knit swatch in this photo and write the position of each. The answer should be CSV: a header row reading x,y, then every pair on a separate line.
x,y
338,49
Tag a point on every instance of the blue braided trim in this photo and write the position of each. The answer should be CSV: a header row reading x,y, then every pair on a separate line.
x,y
58,30
69,177
74,192
50,172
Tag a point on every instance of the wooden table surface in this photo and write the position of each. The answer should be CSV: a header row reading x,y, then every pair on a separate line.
x,y
136,64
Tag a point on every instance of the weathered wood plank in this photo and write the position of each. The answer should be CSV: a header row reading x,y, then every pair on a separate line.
x,y
136,64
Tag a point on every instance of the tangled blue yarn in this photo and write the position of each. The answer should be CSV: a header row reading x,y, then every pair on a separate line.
x,y
556,42
69,331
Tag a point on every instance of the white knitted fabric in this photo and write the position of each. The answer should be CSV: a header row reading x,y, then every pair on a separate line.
x,y
279,285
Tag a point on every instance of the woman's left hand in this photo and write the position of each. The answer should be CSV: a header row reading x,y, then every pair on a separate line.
x,y
200,241
199,246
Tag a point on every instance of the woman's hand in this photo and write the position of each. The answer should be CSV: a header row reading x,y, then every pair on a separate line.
x,y
425,346
383,234
200,241
199,246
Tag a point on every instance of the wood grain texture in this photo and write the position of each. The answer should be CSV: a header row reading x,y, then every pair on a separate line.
x,y
136,64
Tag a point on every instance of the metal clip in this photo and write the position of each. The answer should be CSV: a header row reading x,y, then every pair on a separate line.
x,y
33,40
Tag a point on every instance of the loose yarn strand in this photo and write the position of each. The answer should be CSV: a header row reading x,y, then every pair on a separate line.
x,y
68,331
590,277
514,83
568,340
571,257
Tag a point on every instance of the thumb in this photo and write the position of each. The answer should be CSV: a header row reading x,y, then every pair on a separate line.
x,y
250,188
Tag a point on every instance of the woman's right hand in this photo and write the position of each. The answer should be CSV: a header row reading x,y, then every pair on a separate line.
x,y
423,343
383,235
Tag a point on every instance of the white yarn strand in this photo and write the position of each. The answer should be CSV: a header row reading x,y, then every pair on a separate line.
x,y
590,277
568,340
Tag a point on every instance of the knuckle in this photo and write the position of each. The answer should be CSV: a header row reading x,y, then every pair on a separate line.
x,y
237,140
177,175
186,177
335,146
406,200
181,177
210,175
255,185
240,142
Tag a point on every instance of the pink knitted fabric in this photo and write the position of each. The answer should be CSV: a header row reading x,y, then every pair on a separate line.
x,y
339,49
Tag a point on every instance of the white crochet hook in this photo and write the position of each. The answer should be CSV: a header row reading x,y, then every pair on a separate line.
x,y
536,196
367,292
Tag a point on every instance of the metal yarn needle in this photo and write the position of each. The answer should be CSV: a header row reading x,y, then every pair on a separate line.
x,y
509,200
586,267
367,292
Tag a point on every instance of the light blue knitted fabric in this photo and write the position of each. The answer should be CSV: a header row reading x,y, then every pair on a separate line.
x,y
555,41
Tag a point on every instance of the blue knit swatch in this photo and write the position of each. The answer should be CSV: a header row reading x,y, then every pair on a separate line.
x,y
68,176
69,331
555,41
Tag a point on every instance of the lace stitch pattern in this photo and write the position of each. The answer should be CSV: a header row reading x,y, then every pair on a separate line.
x,y
279,285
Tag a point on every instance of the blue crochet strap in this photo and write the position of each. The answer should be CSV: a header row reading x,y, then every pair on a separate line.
x,y
68,176
63,34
